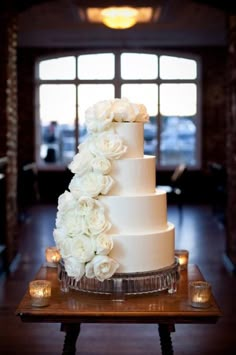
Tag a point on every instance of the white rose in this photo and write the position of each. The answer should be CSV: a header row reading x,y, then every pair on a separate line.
x,y
104,244
66,248
59,235
142,115
70,221
96,222
86,205
99,116
102,267
107,184
66,202
91,184
124,111
80,247
107,144
83,146
83,248
101,164
81,163
74,268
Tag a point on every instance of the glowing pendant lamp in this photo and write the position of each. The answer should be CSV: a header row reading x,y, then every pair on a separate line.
x,y
119,17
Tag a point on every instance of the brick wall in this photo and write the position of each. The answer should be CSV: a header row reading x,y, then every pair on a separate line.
x,y
8,122
231,143
213,106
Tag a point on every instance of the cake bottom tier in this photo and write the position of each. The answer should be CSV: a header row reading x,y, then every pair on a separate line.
x,y
144,252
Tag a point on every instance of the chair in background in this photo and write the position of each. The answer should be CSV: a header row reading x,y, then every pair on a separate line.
x,y
218,185
175,188
28,189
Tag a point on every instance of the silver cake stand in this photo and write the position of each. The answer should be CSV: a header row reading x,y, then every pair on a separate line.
x,y
121,284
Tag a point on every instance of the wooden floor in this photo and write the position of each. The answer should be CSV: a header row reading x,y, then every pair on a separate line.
x,y
197,231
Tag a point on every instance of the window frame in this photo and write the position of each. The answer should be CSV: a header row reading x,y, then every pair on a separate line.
x,y
118,82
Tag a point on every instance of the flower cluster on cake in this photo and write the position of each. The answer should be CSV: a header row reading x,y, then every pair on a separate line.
x,y
81,231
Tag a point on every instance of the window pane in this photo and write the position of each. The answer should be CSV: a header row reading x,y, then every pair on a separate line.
x,y
177,68
146,94
89,94
57,115
178,99
60,68
57,103
96,66
178,140
150,137
138,66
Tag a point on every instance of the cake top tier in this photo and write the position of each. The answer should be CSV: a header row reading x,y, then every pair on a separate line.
x,y
100,116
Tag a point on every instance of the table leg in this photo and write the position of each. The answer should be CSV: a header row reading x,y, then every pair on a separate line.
x,y
165,338
72,333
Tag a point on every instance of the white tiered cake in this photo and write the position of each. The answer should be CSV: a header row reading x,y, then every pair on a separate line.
x,y
113,220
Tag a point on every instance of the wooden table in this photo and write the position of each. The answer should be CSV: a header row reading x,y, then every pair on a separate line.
x,y
73,308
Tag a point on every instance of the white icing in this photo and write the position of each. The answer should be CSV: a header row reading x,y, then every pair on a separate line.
x,y
132,134
144,252
133,176
136,214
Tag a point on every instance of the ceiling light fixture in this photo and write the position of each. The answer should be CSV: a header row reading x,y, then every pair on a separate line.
x,y
119,17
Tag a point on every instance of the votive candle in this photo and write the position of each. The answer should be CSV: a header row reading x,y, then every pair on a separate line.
x,y
53,256
40,292
182,256
200,294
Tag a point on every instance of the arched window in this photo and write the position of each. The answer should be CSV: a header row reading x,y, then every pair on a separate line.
x,y
168,85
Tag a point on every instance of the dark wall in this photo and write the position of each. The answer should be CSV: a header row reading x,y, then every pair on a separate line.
x,y
213,97
8,130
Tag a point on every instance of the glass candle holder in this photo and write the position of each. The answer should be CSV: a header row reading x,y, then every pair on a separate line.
x,y
40,292
182,256
52,256
199,294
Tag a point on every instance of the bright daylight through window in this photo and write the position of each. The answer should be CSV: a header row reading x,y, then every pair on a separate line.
x,y
167,84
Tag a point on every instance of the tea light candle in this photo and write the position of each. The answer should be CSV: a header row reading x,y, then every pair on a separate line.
x,y
200,294
53,256
40,292
182,256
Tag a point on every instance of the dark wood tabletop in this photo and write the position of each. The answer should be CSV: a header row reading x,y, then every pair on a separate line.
x,y
79,307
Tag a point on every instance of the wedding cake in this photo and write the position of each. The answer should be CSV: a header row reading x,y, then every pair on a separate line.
x,y
112,219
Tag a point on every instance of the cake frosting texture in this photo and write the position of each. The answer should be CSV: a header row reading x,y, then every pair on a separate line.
x,y
113,219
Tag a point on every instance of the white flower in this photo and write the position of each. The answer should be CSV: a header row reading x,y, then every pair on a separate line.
x,y
142,115
108,145
67,218
86,205
93,217
66,202
83,248
101,164
81,163
59,235
86,217
99,116
96,222
124,111
74,268
80,247
102,267
104,244
92,184
70,221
